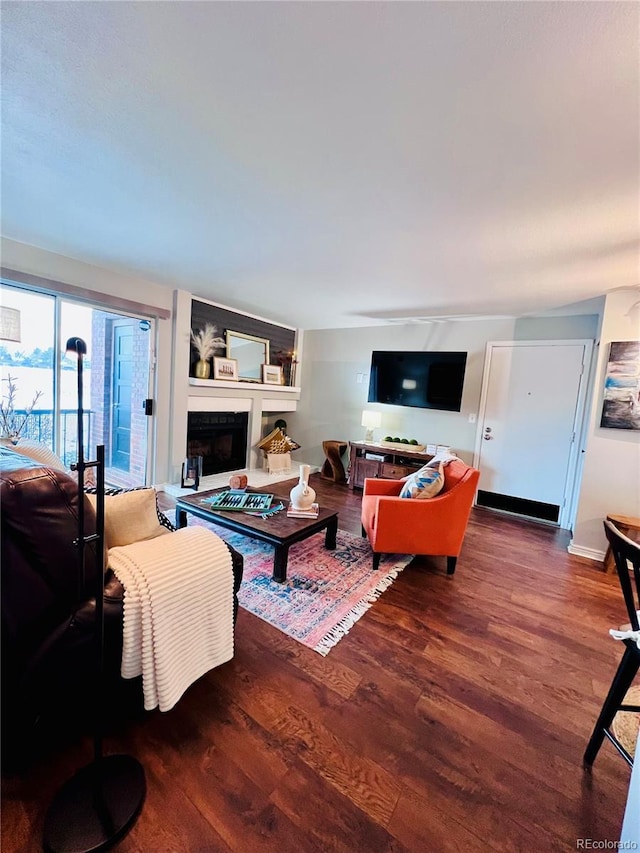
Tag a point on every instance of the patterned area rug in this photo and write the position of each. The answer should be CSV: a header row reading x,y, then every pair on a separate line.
x,y
325,593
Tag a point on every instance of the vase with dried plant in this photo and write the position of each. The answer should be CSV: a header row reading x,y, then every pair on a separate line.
x,y
13,420
205,342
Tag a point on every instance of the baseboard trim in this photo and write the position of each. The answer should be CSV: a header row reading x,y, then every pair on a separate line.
x,y
589,553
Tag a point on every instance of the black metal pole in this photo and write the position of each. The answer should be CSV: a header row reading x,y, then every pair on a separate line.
x,y
98,806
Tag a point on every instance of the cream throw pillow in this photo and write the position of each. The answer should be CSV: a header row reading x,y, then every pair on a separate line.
x,y
130,517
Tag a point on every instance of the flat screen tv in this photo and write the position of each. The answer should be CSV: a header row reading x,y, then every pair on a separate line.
x,y
426,380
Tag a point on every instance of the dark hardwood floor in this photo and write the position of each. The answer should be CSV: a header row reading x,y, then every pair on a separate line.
x,y
453,716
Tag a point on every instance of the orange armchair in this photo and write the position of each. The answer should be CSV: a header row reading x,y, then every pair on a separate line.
x,y
436,526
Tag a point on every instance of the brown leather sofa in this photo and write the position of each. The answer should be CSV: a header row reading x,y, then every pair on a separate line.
x,y
48,606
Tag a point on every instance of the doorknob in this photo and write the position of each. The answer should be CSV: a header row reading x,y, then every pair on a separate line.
x,y
487,434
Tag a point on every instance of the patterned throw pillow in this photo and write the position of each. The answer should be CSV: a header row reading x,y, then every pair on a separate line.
x,y
425,483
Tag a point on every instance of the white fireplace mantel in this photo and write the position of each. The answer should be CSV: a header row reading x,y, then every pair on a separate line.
x,y
260,400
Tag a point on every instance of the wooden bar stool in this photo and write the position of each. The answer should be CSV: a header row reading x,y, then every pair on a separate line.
x,y
333,469
626,524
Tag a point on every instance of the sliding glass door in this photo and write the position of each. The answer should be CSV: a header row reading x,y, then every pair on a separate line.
x,y
117,378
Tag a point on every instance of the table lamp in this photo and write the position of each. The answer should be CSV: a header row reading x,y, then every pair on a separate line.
x,y
370,420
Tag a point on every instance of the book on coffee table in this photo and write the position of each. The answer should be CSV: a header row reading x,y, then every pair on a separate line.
x,y
312,512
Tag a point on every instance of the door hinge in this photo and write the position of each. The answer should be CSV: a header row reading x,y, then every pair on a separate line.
x,y
147,406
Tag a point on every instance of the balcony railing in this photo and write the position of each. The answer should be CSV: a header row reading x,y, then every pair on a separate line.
x,y
39,427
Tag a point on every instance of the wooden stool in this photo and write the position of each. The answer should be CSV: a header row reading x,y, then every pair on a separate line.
x,y
333,469
626,524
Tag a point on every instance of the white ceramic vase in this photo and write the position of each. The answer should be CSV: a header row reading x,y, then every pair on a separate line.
x,y
302,496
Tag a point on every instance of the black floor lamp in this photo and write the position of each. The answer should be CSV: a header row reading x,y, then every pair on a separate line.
x,y
98,806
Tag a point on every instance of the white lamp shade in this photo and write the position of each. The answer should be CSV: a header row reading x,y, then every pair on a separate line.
x,y
371,420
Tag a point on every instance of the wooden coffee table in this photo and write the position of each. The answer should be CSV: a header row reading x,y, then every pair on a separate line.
x,y
276,530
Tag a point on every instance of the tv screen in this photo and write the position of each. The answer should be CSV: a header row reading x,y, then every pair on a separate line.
x,y
426,380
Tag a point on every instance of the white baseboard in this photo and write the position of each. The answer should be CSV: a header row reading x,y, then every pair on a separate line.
x,y
589,553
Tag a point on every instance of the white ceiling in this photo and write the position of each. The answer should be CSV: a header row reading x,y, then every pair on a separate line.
x,y
330,164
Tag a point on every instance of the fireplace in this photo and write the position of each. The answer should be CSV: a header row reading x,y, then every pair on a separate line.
x,y
220,438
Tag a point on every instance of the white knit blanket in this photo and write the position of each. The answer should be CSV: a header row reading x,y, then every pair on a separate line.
x,y
178,610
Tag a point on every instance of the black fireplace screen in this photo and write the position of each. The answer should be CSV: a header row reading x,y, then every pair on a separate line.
x,y
220,438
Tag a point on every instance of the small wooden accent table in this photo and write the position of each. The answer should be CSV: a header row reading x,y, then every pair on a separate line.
x,y
333,469
276,530
626,524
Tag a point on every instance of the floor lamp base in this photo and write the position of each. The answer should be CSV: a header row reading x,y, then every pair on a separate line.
x,y
97,807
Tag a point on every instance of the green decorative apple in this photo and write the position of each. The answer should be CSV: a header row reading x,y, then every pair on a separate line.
x,y
413,441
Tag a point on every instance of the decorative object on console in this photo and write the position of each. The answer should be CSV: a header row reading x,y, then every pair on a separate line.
x,y
99,805
408,444
205,343
12,421
302,495
225,368
370,420
191,472
272,374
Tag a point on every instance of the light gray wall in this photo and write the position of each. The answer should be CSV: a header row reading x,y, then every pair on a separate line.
x,y
611,472
332,401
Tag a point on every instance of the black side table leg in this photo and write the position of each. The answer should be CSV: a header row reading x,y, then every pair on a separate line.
x,y
280,559
330,535
181,518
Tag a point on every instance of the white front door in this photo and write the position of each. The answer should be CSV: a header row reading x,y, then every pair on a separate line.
x,y
532,403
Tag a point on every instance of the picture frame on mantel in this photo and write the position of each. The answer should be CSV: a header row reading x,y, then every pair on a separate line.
x,y
225,368
271,374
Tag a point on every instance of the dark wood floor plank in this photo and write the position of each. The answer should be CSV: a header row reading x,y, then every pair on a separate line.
x,y
452,716
421,826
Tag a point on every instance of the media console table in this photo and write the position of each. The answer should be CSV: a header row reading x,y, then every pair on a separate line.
x,y
394,465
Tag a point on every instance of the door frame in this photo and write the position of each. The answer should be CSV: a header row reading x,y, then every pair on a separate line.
x,y
574,466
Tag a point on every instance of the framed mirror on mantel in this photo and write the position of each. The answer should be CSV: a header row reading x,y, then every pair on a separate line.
x,y
250,353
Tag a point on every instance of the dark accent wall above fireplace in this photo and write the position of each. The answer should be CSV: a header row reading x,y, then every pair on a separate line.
x,y
281,340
